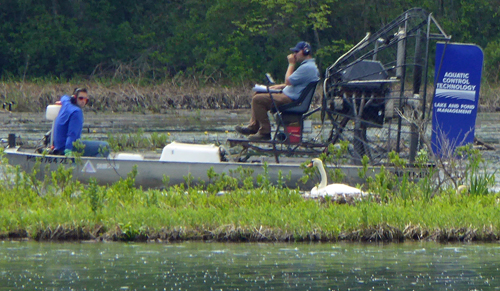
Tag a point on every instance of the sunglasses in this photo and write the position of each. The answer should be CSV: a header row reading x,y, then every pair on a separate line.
x,y
84,98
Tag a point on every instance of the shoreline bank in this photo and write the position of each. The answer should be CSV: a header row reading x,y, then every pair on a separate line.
x,y
379,234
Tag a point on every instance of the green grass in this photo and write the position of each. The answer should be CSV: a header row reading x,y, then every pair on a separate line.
x,y
279,213
397,209
59,208
137,140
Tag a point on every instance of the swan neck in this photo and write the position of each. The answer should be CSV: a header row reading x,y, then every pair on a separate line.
x,y
322,172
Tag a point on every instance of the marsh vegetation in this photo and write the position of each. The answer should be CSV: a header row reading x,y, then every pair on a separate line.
x,y
107,96
233,209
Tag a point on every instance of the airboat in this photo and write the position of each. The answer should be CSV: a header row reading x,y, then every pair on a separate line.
x,y
373,97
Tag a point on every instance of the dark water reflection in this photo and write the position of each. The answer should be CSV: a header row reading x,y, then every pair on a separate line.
x,y
216,266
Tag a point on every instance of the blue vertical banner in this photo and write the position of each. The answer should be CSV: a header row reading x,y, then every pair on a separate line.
x,y
457,81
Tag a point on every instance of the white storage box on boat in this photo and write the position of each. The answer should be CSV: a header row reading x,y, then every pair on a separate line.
x,y
307,126
185,152
52,111
129,157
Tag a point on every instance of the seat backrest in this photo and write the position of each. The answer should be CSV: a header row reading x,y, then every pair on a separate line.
x,y
301,105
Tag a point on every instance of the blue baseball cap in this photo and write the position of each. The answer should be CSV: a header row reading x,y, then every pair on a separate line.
x,y
301,45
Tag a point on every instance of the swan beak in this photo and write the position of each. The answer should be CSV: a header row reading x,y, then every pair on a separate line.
x,y
310,165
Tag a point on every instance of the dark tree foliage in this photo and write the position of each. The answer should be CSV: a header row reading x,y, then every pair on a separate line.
x,y
224,39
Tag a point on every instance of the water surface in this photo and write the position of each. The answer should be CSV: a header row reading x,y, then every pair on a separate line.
x,y
218,266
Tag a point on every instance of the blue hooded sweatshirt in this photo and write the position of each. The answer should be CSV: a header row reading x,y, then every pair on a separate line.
x,y
68,125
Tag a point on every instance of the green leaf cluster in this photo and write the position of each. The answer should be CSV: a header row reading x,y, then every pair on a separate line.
x,y
222,40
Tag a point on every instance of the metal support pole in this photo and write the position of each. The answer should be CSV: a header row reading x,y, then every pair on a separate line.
x,y
417,81
12,140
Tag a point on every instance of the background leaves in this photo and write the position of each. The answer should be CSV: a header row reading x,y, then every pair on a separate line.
x,y
223,40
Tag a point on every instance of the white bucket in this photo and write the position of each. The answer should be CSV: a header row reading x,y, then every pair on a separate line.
x,y
52,111
194,153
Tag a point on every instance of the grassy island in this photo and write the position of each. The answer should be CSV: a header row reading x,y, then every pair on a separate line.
x,y
234,210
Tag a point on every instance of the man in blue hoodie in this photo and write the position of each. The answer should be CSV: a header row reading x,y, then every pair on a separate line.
x,y
68,127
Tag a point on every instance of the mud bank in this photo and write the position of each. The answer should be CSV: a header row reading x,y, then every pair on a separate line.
x,y
381,233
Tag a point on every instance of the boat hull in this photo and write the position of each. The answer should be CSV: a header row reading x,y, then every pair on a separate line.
x,y
153,173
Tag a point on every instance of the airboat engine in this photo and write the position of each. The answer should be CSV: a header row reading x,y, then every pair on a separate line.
x,y
362,89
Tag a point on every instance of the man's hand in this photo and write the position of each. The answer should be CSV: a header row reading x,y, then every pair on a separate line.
x,y
291,59
277,87
68,153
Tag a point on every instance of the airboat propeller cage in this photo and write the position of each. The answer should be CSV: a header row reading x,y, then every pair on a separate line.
x,y
372,93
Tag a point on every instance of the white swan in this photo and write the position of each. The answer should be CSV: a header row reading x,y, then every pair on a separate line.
x,y
323,190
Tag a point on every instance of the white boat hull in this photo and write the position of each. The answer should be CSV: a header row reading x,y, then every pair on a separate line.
x,y
152,173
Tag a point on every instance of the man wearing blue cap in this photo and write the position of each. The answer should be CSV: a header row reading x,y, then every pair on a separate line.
x,y
296,80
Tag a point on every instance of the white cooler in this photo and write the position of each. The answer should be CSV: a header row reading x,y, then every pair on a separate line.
x,y
194,153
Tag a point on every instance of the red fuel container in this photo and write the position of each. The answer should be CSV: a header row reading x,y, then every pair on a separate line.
x,y
294,134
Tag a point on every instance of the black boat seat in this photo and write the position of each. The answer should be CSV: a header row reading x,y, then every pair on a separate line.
x,y
294,114
301,105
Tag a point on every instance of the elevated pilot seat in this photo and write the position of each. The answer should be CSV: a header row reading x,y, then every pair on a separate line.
x,y
290,117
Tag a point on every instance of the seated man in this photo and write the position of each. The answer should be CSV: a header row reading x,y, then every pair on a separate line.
x,y
296,80
68,127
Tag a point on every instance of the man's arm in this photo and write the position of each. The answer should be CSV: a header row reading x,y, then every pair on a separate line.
x,y
277,87
75,126
290,69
